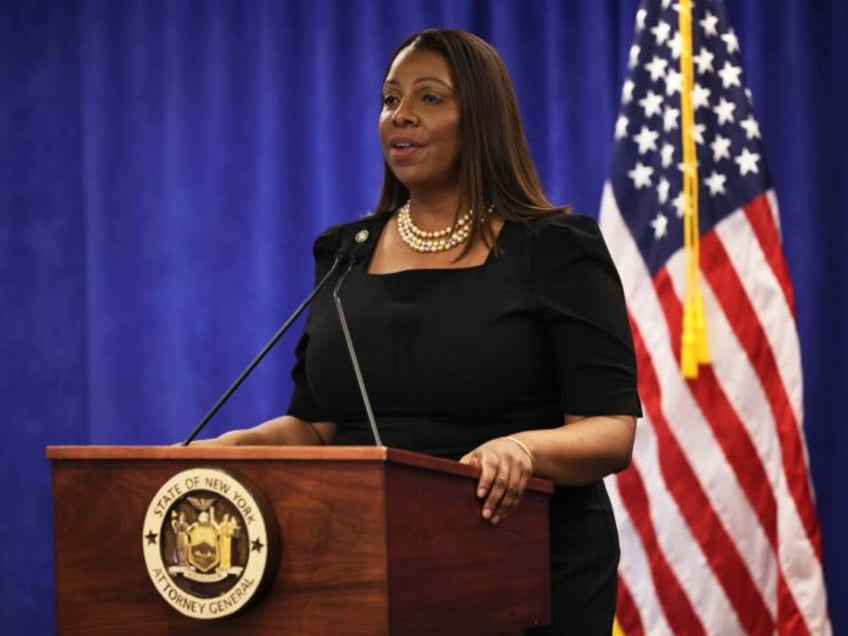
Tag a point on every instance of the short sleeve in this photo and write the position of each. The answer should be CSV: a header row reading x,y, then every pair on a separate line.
x,y
302,404
581,302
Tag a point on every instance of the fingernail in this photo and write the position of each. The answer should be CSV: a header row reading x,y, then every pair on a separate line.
x,y
487,512
496,520
481,492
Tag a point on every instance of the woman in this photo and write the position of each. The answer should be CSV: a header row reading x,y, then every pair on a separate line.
x,y
490,325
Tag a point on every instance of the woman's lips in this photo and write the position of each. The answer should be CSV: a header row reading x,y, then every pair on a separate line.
x,y
402,148
402,152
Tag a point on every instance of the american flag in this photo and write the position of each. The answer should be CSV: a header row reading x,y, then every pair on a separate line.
x,y
716,514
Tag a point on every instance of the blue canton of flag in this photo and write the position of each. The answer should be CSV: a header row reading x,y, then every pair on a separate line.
x,y
646,174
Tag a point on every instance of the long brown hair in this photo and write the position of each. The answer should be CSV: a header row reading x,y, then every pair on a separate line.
x,y
495,163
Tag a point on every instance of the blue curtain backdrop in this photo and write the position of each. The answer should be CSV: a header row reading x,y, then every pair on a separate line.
x,y
164,166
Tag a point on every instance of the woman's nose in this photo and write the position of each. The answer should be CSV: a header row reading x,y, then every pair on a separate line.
x,y
403,115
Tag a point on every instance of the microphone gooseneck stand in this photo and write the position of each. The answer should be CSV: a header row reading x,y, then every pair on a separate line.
x,y
352,352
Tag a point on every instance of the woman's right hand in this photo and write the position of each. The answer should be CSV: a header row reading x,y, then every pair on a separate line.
x,y
505,464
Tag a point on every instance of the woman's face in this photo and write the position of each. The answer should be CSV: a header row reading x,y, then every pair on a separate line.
x,y
419,122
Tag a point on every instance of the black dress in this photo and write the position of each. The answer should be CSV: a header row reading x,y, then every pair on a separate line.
x,y
452,358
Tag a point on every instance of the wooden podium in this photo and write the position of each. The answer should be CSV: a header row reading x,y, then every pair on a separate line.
x,y
372,541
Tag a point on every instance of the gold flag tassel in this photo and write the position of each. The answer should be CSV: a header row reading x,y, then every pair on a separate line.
x,y
694,349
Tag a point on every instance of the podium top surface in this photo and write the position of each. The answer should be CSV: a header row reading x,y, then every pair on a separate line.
x,y
272,453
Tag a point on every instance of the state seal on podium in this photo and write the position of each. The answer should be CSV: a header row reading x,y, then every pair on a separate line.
x,y
210,543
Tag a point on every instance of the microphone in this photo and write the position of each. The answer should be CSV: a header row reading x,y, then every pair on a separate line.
x,y
361,238
343,254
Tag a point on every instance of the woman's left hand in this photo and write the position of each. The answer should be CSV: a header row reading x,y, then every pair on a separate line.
x,y
505,465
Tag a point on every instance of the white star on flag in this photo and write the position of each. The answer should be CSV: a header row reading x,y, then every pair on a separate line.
x,y
752,128
698,133
666,154
724,110
627,92
700,97
704,60
661,32
675,44
709,24
652,104
747,161
662,190
677,203
621,127
673,81
731,41
670,118
656,67
634,56
729,75
715,182
721,148
641,175
660,225
646,139
641,14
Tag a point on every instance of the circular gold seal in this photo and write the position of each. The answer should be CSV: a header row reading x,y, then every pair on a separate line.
x,y
209,543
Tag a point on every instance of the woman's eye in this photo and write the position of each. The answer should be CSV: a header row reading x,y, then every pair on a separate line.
x,y
431,98
389,100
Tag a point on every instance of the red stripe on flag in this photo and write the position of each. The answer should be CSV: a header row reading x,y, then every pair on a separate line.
x,y
626,612
678,611
695,506
743,319
762,221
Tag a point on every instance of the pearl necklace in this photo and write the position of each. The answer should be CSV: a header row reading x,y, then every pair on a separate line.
x,y
424,241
